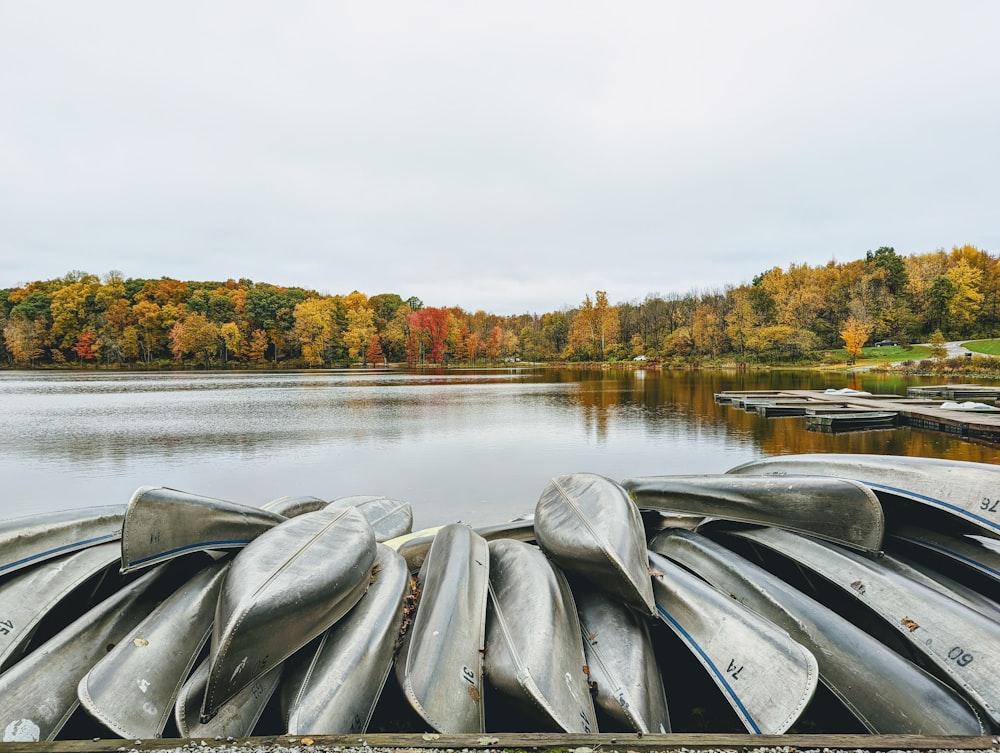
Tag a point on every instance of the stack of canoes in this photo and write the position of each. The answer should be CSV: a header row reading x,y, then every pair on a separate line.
x,y
837,593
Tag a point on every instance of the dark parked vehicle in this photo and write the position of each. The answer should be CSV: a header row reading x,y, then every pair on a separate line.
x,y
885,343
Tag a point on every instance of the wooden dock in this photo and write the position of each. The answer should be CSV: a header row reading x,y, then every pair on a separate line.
x,y
932,408
603,743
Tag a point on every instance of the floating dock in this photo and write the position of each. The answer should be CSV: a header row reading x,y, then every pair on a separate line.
x,y
936,408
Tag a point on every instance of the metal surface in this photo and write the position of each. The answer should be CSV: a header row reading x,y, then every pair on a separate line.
x,y
884,691
38,694
590,526
338,686
284,589
236,718
767,677
414,547
132,689
534,654
162,523
835,509
920,572
965,550
292,507
440,665
27,596
962,644
964,489
626,680
389,518
29,540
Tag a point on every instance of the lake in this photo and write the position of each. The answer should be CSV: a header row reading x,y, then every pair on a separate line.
x,y
475,446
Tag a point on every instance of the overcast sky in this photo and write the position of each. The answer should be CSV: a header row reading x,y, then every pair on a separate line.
x,y
507,156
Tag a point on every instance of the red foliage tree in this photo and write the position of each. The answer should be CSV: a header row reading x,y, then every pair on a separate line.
x,y
84,347
431,326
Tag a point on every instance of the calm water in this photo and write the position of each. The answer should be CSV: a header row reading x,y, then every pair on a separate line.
x,y
473,446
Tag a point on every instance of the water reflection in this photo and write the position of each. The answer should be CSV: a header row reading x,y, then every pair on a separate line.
x,y
472,445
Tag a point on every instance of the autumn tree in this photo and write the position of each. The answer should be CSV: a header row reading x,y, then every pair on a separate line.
x,y
24,339
315,329
855,334
195,335
374,353
84,347
938,349
257,347
233,342
360,326
430,329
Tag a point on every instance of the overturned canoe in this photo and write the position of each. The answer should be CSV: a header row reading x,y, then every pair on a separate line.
x,y
32,539
285,588
235,718
388,518
884,691
38,694
335,690
589,526
414,547
963,489
625,680
292,507
921,572
440,664
534,655
162,523
29,595
132,689
961,643
767,676
964,550
839,510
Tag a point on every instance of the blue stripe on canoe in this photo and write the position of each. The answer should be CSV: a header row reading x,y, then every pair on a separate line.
x,y
936,502
59,549
715,670
975,564
225,544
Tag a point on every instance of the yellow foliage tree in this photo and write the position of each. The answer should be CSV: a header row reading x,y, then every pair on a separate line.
x,y
855,334
315,328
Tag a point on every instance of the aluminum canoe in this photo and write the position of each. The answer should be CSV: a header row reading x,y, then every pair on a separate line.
x,y
534,654
840,510
960,488
291,507
162,523
884,691
337,687
920,571
26,541
439,666
625,678
965,550
389,518
39,693
27,596
133,688
235,718
766,676
962,644
282,590
414,546
589,526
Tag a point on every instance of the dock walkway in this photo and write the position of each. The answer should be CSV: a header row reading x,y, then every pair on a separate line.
x,y
937,408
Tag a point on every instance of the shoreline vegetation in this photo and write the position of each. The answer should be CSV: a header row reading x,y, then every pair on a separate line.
x,y
826,317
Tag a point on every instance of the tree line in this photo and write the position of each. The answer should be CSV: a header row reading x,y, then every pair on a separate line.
x,y
782,315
